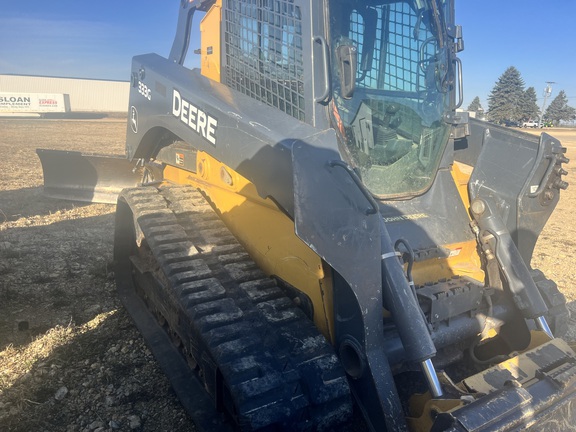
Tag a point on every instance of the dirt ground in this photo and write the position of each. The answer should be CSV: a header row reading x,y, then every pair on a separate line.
x,y
555,252
70,358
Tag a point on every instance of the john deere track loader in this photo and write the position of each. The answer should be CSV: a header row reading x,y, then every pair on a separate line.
x,y
315,239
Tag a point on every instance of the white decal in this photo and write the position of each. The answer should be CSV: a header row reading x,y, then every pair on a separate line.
x,y
144,90
401,218
454,252
134,119
199,121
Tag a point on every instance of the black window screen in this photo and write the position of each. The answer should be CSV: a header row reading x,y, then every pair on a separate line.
x,y
402,43
263,52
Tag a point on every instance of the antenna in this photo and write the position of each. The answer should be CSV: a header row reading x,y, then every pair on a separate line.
x,y
547,93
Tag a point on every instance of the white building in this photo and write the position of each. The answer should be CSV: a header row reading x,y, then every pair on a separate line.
x,y
81,95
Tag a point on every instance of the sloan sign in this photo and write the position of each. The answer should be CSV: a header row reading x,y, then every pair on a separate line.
x,y
32,102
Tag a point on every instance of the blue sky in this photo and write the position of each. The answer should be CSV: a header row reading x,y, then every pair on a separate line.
x,y
538,38
96,39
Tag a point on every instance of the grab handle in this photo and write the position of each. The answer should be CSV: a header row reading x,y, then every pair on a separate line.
x,y
325,69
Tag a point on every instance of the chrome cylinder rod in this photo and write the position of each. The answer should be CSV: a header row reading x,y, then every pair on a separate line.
x,y
542,325
432,379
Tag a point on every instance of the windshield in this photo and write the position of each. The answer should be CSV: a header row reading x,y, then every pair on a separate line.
x,y
391,80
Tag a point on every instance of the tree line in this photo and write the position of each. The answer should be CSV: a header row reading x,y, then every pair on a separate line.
x,y
510,102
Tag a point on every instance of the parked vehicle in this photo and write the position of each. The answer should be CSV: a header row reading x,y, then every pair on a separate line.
x,y
530,124
511,123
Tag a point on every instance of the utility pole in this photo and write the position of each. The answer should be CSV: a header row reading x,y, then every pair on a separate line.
x,y
547,93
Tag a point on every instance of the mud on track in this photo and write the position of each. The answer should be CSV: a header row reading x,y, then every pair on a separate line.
x,y
70,358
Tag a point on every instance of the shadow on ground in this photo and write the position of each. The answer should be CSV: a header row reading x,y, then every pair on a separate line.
x,y
55,274
97,375
29,202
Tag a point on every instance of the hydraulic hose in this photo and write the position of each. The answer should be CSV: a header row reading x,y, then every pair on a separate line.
x,y
410,251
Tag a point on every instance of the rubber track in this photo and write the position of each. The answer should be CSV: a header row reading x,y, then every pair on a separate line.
x,y
279,371
558,315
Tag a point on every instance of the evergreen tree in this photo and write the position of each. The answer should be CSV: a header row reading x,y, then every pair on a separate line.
x,y
506,97
475,105
559,110
529,107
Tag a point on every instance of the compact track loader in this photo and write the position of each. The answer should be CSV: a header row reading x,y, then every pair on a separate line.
x,y
312,238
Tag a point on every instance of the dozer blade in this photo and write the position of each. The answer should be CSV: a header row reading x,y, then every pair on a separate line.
x,y
78,176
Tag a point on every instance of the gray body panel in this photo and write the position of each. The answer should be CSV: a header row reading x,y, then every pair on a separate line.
x,y
250,137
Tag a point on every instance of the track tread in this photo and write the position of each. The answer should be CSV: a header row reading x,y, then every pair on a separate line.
x,y
278,369
558,315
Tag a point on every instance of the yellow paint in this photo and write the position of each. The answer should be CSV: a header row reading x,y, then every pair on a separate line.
x,y
266,232
210,42
537,338
423,408
463,262
461,174
464,259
